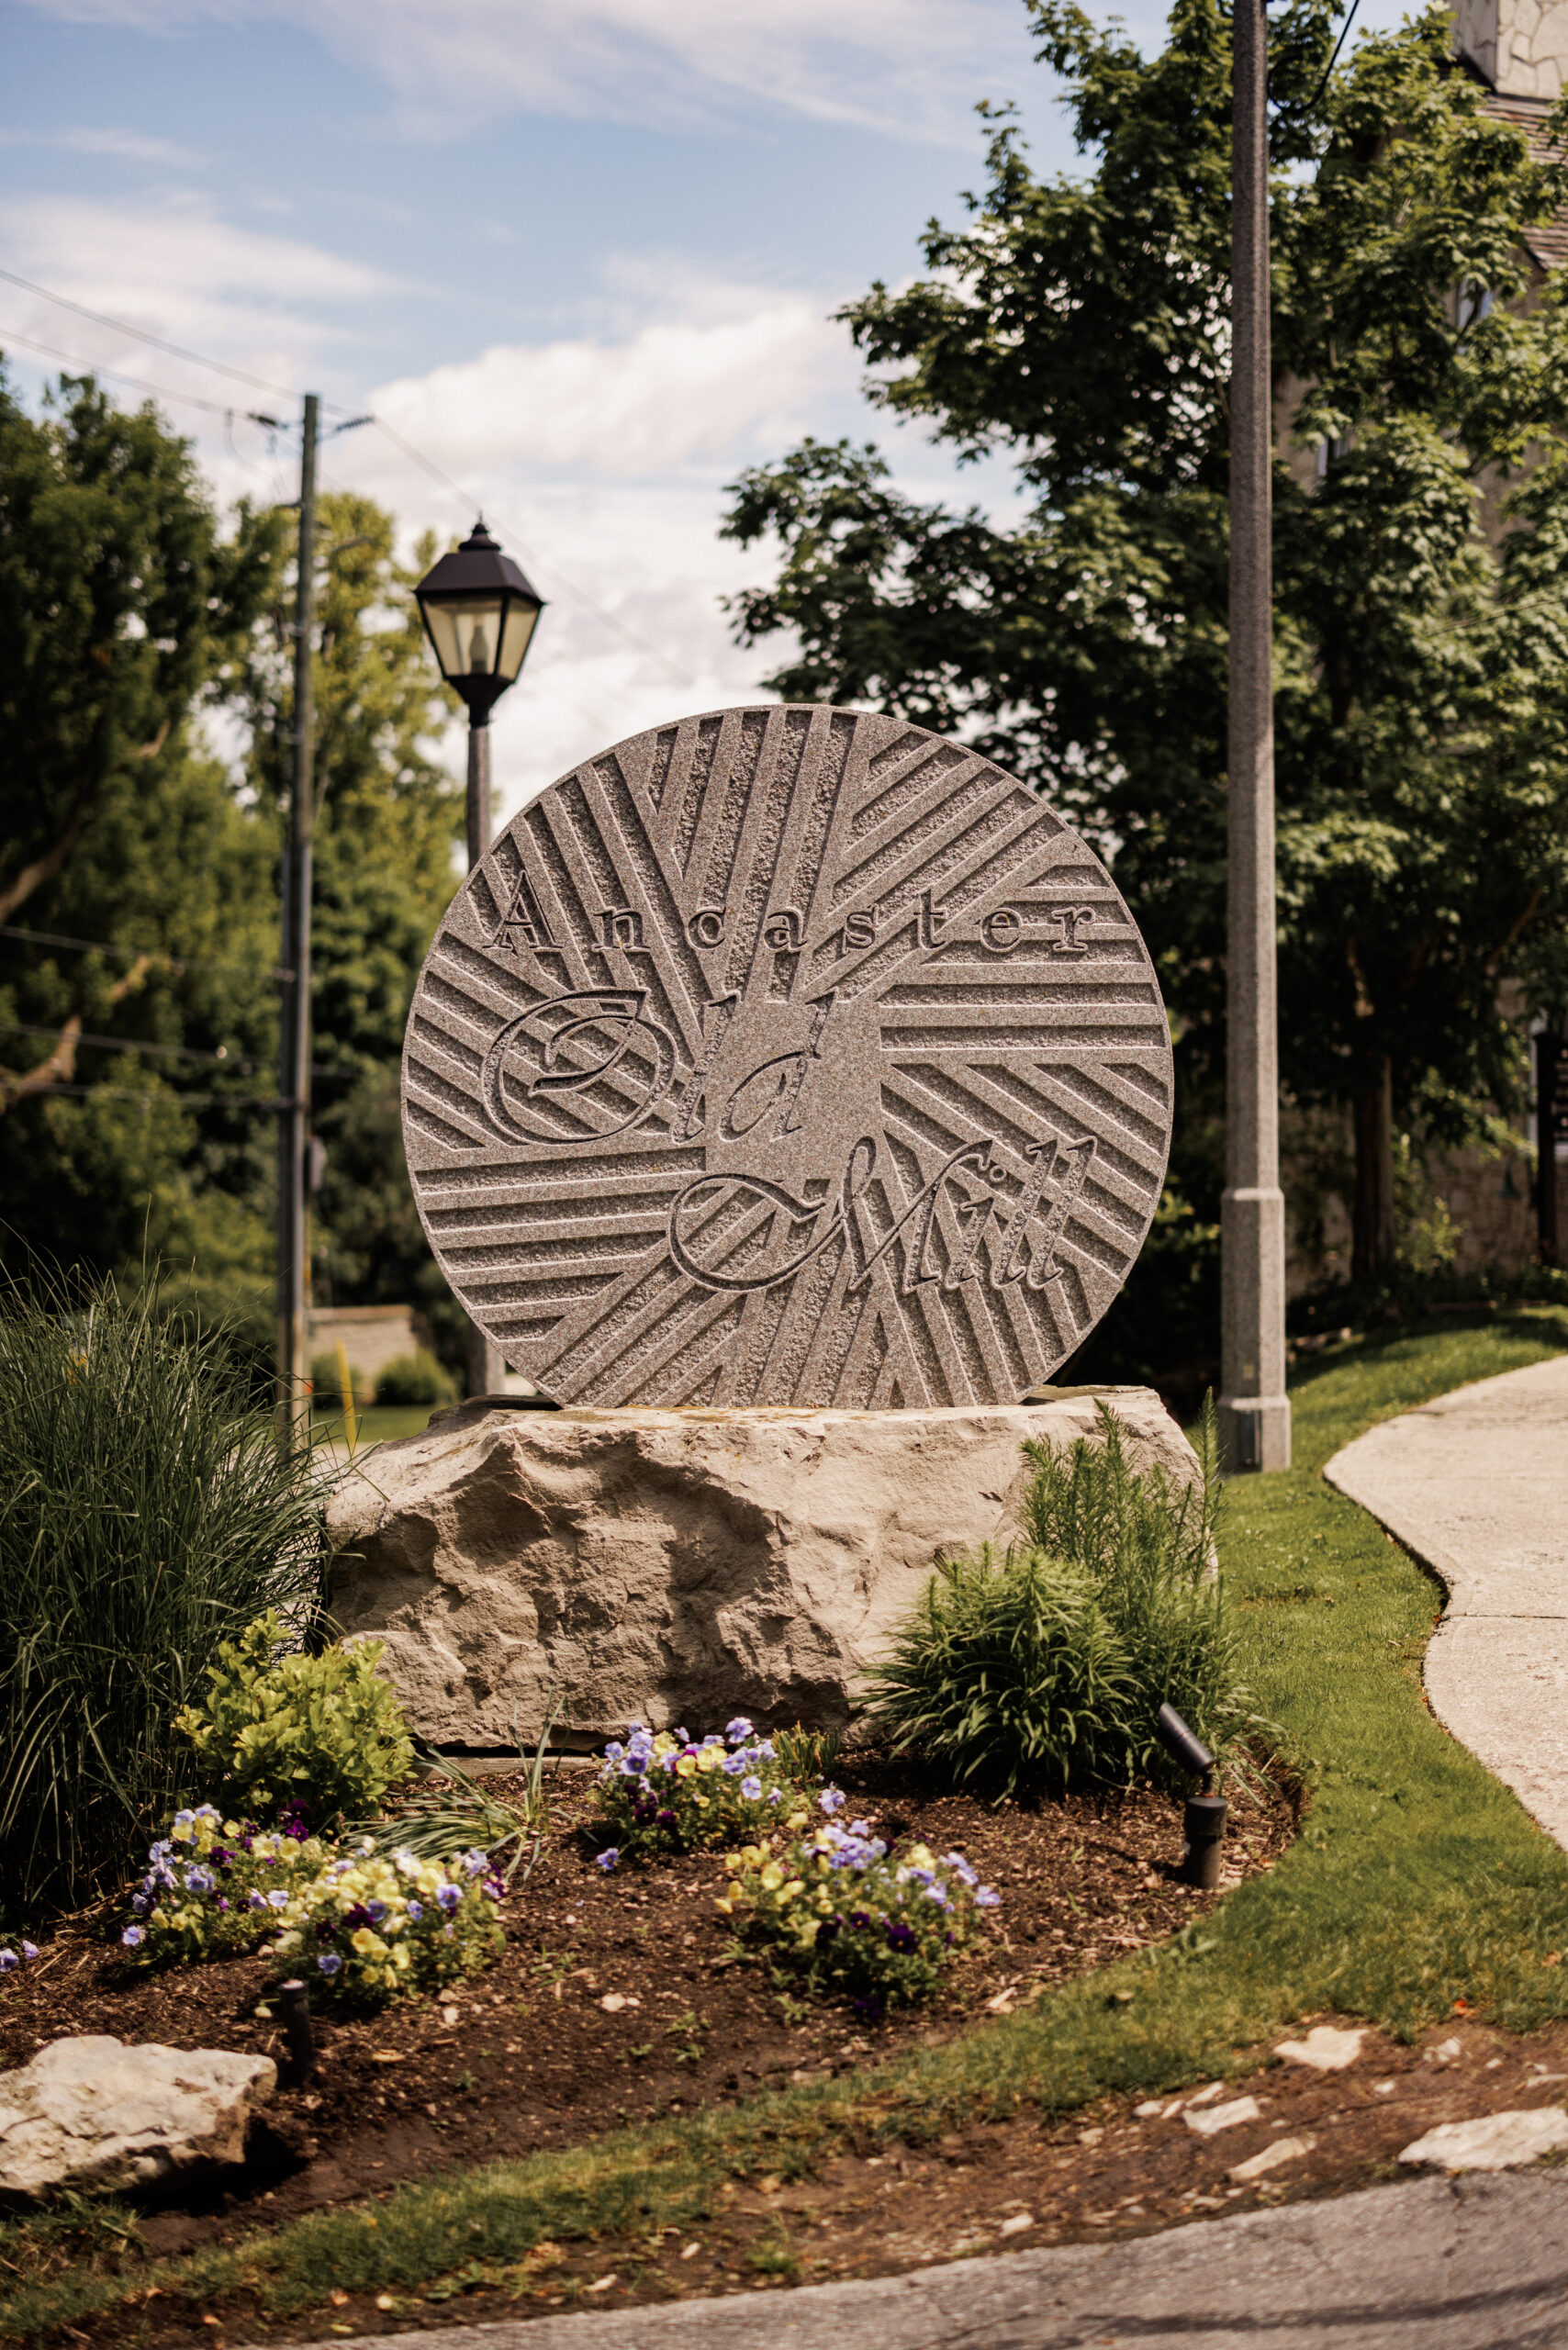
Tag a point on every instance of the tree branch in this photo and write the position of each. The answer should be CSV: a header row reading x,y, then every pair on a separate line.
x,y
60,1067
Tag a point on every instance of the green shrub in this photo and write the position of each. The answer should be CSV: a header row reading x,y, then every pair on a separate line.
x,y
146,1514
1048,1667
414,1379
327,1385
278,1727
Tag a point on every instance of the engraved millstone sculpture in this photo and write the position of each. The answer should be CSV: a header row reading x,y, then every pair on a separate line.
x,y
786,1056
787,1093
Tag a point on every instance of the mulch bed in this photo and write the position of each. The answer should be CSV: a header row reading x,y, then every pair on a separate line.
x,y
527,2056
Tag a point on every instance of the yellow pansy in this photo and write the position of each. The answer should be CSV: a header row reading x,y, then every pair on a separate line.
x,y
772,1877
685,1766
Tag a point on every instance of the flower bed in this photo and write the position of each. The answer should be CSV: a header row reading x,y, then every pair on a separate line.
x,y
840,1911
364,1925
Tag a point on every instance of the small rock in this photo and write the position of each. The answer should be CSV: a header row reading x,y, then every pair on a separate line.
x,y
93,2114
1019,2220
1283,2151
1205,2096
1383,2088
1447,2051
1492,2142
1325,2050
1224,2117
612,2003
1150,2112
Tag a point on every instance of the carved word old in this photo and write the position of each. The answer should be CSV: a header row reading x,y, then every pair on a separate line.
x,y
786,1056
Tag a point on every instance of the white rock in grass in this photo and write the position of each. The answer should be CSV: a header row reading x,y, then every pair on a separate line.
x,y
1224,2117
1325,2050
1274,2157
1492,2142
94,2115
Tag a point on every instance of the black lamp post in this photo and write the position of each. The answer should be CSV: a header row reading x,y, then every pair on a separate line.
x,y
479,613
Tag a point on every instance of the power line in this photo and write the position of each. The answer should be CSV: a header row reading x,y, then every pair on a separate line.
x,y
578,595
52,350
130,954
121,1045
128,1093
140,334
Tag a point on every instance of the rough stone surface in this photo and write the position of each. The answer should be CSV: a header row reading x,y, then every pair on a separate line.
x,y
98,2116
1476,1485
1438,2265
678,1566
786,1056
1324,2048
1492,2142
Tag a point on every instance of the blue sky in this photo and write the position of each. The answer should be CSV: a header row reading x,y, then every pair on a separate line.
x,y
582,252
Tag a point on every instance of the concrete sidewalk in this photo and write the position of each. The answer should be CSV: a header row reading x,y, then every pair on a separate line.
x,y
1469,2263
1476,1485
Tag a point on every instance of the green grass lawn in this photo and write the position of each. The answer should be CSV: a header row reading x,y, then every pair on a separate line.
x,y
1417,1880
374,1424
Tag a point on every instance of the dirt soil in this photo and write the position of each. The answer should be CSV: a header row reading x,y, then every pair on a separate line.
x,y
620,1998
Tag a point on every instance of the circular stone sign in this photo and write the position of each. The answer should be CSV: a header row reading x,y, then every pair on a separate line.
x,y
786,1056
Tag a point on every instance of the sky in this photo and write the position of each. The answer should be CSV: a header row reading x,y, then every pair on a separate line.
x,y
582,256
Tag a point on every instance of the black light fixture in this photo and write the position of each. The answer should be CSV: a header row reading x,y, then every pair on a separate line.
x,y
1203,1817
479,613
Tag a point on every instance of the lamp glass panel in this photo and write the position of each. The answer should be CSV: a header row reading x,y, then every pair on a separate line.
x,y
465,635
515,636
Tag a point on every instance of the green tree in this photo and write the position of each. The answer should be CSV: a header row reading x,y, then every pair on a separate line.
x,y
123,612
1079,326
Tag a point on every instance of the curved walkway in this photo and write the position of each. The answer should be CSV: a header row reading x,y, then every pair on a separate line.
x,y
1476,1485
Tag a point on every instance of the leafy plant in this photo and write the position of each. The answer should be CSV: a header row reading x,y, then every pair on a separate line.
x,y
146,1515
1050,1666
409,1380
807,1756
366,1925
668,1794
324,1730
836,1907
469,1814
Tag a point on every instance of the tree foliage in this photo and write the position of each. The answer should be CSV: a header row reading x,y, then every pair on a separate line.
x,y
127,616
1079,326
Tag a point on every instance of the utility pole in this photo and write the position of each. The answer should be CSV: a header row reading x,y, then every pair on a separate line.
x,y
294,1116
1254,1410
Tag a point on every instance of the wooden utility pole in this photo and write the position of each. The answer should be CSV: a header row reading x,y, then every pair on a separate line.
x,y
294,1115
1254,1411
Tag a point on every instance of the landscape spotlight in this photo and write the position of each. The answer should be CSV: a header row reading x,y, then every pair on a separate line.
x,y
1203,1817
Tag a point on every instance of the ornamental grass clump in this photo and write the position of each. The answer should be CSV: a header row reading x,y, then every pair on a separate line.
x,y
1045,1667
147,1514
837,1911
669,1794
359,1924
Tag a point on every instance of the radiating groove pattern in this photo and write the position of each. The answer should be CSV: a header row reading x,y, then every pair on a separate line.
x,y
786,1056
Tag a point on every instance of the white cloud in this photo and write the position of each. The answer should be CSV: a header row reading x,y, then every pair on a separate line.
x,y
675,392
172,265
908,66
126,146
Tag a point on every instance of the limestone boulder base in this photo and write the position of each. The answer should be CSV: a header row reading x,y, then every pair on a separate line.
x,y
677,1566
98,2116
